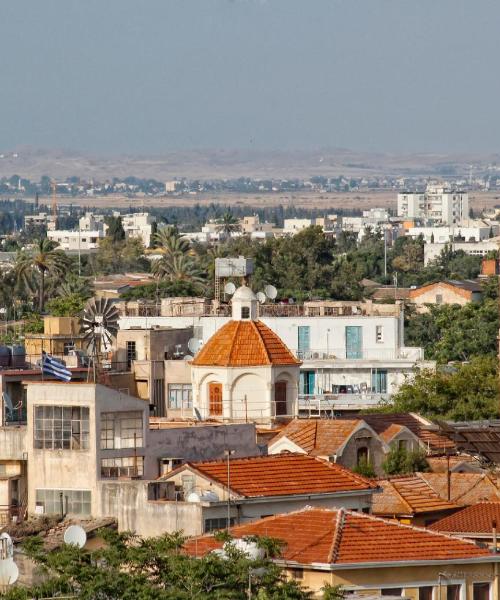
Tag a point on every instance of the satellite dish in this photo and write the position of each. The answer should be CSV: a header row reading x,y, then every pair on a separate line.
x,y
188,357
261,297
229,288
6,546
75,535
194,345
193,497
271,292
8,572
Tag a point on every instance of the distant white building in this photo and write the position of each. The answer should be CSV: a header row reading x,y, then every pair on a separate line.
x,y
468,231
77,240
140,226
293,226
438,204
91,222
432,251
40,220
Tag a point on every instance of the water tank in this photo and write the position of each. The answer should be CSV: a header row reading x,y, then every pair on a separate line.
x,y
193,497
250,549
4,357
18,357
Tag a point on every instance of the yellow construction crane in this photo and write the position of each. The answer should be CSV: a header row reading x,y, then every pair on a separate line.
x,y
54,202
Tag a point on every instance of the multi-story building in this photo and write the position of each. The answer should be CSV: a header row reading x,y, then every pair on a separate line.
x,y
140,226
440,204
467,232
81,240
352,353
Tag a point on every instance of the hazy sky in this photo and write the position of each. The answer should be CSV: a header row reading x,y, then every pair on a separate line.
x,y
149,76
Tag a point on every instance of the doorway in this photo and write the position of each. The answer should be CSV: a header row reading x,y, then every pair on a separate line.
x,y
280,398
215,399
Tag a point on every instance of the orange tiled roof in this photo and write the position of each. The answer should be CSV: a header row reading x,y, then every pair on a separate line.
x,y
281,475
439,464
380,422
478,518
340,537
244,344
465,488
408,496
321,437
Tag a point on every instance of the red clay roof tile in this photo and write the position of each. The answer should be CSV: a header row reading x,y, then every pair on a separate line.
x,y
341,537
244,344
478,518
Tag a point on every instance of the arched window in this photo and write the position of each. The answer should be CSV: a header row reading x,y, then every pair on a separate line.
x,y
362,456
245,312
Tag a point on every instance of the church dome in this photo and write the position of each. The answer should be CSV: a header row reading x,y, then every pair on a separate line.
x,y
244,344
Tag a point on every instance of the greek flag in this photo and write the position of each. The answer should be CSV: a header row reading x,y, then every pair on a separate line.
x,y
54,367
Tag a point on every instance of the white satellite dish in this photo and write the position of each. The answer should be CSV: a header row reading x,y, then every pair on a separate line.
x,y
261,297
271,292
8,572
6,546
75,535
194,345
188,357
229,288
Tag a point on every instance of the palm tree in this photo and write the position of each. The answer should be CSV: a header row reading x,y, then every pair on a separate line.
x,y
39,261
228,224
170,243
179,267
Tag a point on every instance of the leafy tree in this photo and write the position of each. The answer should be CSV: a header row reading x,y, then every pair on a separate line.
x,y
70,305
129,568
400,461
118,257
115,229
466,392
33,323
35,264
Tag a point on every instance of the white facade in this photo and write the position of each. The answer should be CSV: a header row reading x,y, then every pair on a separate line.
x,y
432,251
437,203
472,231
77,240
292,226
140,226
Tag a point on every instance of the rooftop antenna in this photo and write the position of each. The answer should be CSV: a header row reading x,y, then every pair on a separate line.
x,y
53,185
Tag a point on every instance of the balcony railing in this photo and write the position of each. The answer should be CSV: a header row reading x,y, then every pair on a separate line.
x,y
329,404
379,353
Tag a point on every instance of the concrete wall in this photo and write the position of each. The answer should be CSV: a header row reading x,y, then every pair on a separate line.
x,y
13,442
127,502
198,443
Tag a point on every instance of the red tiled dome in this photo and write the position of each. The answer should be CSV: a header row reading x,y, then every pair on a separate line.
x,y
244,344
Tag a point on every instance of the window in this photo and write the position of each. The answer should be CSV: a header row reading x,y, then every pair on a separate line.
x,y
403,445
68,347
74,502
245,312
362,456
307,382
481,591
379,334
353,341
439,298
391,592
453,592
379,381
303,340
61,428
125,466
297,573
425,592
180,395
131,353
121,430
221,523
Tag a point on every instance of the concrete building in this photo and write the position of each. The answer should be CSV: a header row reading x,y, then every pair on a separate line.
x,y
445,292
370,557
61,338
437,203
40,220
139,226
352,353
433,250
466,232
262,486
77,240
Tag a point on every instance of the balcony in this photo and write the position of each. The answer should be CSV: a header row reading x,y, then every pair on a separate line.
x,y
317,405
378,354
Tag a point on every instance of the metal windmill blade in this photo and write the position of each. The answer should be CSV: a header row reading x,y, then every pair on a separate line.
x,y
99,323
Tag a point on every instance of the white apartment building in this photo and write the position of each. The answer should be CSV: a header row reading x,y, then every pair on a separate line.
x,y
353,353
468,231
437,203
77,240
432,251
91,222
138,225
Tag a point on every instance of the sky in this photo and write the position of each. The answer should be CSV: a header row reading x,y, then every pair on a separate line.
x,y
146,77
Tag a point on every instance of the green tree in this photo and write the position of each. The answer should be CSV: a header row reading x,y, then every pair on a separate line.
x,y
365,468
464,392
228,224
70,305
131,568
35,264
401,461
115,229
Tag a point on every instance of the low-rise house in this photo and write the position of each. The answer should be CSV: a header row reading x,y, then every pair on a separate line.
x,y
478,522
348,442
61,338
371,556
251,488
423,498
451,291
